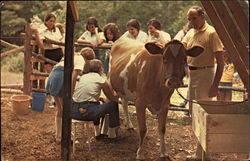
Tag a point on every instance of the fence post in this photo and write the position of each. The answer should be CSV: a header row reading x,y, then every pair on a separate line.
x,y
27,84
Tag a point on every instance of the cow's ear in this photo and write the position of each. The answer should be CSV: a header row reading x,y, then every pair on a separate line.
x,y
195,51
153,48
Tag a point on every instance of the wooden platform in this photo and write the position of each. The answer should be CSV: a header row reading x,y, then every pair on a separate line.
x,y
222,127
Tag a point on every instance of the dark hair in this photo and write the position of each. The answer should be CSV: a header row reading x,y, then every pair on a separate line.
x,y
199,10
92,21
95,65
134,23
48,17
113,29
154,22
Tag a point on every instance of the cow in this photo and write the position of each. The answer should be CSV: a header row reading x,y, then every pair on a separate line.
x,y
147,75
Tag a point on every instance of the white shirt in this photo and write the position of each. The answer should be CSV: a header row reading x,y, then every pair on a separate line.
x,y
179,36
88,88
93,38
79,62
163,37
142,36
53,35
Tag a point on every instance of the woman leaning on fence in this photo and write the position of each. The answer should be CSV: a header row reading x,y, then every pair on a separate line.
x,y
48,31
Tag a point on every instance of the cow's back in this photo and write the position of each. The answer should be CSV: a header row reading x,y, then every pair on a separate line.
x,y
123,59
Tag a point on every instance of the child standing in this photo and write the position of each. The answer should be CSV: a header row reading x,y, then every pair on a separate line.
x,y
226,79
156,34
93,35
134,32
111,33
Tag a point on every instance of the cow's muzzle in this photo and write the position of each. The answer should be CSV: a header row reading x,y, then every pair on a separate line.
x,y
173,82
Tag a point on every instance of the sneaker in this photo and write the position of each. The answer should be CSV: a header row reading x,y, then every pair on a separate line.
x,y
51,104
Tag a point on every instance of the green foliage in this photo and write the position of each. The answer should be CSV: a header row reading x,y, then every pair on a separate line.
x,y
15,14
172,14
13,63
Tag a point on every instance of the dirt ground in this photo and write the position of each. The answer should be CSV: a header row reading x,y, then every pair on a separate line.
x,y
31,137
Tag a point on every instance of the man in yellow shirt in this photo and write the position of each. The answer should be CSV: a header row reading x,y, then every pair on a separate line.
x,y
203,77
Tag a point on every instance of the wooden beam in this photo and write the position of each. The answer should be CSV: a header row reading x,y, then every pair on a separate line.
x,y
11,91
13,86
27,84
74,10
38,56
40,74
227,41
233,31
12,51
67,82
8,45
240,17
105,46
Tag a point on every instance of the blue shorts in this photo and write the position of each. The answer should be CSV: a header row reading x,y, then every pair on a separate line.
x,y
54,85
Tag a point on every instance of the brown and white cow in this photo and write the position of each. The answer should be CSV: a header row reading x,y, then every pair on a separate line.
x,y
147,75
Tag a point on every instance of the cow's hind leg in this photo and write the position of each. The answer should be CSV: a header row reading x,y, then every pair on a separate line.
x,y
142,129
161,129
128,123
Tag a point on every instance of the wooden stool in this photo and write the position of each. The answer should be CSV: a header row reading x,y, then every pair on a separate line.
x,y
78,134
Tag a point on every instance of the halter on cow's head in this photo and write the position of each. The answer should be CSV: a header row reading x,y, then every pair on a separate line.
x,y
174,58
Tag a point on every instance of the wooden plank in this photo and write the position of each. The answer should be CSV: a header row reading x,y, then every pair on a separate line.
x,y
233,31
199,125
27,84
12,51
242,22
39,56
228,43
36,77
67,94
228,143
74,10
35,60
13,86
228,124
43,74
8,45
11,91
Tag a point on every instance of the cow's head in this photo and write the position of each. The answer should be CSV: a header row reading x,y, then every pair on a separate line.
x,y
174,59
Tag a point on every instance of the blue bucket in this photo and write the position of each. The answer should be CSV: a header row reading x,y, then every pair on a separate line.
x,y
38,101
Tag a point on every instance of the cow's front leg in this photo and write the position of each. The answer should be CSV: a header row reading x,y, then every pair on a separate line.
x,y
128,123
161,129
142,129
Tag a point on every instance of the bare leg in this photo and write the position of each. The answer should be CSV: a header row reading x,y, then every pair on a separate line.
x,y
58,118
